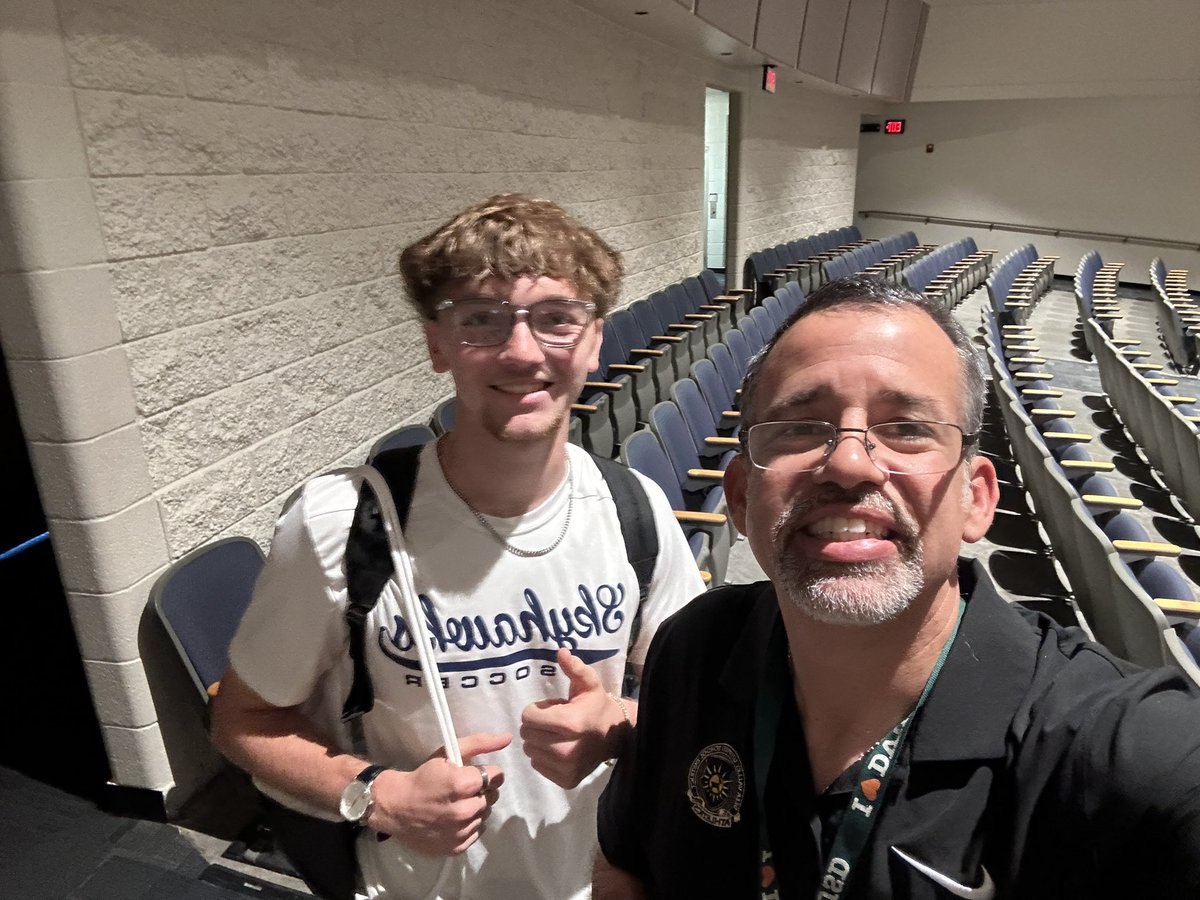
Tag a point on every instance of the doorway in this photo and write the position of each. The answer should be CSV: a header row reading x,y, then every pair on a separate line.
x,y
716,178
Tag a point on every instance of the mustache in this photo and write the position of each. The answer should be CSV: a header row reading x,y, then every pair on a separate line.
x,y
904,525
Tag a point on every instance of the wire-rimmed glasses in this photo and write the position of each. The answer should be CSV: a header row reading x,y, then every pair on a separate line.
x,y
907,447
557,322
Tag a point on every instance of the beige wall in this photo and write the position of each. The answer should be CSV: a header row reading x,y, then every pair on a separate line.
x,y
202,203
1023,49
1124,165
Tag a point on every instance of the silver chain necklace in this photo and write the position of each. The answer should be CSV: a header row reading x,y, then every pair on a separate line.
x,y
482,519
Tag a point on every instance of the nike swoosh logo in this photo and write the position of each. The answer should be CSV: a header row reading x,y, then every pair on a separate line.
x,y
985,891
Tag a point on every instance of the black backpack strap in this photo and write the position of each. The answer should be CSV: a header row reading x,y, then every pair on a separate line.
x,y
369,566
641,541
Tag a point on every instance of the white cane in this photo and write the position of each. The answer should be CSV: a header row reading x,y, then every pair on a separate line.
x,y
415,617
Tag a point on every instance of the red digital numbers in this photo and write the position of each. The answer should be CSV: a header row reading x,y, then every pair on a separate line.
x,y
893,126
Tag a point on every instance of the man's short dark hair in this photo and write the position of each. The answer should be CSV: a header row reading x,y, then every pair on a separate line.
x,y
861,292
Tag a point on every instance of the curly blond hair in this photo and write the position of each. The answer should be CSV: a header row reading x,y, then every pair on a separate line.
x,y
508,236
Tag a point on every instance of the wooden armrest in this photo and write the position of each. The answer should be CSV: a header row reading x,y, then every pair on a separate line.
x,y
1146,548
667,338
605,385
1124,342
1027,359
1053,413
644,352
731,414
1033,376
1168,381
1147,367
711,308
1015,304
1086,465
706,577
1132,354
213,689
1186,607
1016,327
1103,501
1177,398
699,517
1077,437
683,327
627,367
1041,392
713,474
1108,316
584,407
698,317
717,441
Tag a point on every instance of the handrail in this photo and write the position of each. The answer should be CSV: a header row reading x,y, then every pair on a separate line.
x,y
1033,229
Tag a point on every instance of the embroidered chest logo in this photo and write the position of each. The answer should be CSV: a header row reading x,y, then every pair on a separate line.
x,y
717,785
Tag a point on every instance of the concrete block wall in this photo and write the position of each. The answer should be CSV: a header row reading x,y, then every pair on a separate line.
x,y
203,203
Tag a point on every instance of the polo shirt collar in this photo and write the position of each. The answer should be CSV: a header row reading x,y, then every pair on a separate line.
x,y
968,713
984,680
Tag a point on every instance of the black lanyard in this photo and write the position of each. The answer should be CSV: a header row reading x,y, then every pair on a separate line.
x,y
874,776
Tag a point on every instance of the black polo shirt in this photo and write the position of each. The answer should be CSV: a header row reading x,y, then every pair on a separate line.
x,y
1038,757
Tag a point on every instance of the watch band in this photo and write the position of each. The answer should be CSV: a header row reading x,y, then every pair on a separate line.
x,y
369,774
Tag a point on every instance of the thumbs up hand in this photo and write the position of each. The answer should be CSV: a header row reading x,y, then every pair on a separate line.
x,y
565,739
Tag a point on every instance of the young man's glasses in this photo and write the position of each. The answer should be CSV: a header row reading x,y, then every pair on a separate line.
x,y
900,448
488,321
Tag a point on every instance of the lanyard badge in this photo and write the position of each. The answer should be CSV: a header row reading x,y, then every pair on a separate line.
x,y
874,776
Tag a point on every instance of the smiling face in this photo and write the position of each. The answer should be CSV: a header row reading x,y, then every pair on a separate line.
x,y
518,390
848,543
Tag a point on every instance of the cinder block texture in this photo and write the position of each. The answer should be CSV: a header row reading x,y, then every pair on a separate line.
x,y
246,172
55,315
137,756
104,556
40,137
49,224
120,693
93,478
73,399
31,48
106,625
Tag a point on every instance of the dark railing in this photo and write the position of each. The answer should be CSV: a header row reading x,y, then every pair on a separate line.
x,y
1033,229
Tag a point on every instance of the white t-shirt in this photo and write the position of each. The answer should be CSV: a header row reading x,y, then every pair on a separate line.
x,y
496,621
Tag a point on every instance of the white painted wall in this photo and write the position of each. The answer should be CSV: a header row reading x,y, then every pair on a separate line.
x,y
200,210
1127,165
1059,48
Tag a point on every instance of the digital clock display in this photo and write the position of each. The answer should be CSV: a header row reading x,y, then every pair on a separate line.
x,y
893,126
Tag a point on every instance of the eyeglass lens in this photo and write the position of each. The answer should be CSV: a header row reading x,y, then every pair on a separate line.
x,y
902,448
485,322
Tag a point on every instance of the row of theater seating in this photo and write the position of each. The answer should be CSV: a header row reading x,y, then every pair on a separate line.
x,y
1178,315
1096,295
1017,283
950,272
1159,415
801,260
692,435
884,259
1120,584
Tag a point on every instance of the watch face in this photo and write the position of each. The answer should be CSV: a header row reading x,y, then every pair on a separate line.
x,y
356,799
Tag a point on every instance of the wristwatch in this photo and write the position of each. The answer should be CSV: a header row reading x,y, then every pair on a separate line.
x,y
356,798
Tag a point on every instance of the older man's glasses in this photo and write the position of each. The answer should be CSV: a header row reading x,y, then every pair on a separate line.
x,y
899,448
489,322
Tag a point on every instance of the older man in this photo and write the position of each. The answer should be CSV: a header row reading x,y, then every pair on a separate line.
x,y
876,721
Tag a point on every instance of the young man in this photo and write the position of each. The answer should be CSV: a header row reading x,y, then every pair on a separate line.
x,y
520,565
875,721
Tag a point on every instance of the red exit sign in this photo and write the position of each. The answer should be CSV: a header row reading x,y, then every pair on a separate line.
x,y
893,126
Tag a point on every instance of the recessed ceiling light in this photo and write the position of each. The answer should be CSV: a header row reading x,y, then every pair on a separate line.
x,y
727,53
641,12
